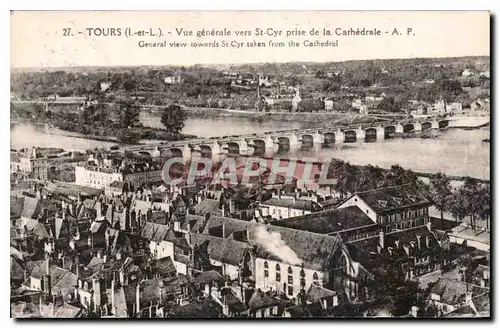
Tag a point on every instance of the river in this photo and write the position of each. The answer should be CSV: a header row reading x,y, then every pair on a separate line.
x,y
456,152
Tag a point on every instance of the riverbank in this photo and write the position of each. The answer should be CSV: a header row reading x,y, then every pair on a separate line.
x,y
105,134
316,118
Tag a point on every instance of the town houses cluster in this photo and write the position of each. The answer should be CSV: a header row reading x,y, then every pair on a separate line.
x,y
120,243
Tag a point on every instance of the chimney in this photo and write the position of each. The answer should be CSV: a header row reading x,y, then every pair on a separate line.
x,y
419,241
188,238
223,231
382,238
396,242
223,210
427,241
138,298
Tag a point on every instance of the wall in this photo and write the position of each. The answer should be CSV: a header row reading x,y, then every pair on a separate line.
x,y
95,179
357,201
276,211
181,267
268,283
162,249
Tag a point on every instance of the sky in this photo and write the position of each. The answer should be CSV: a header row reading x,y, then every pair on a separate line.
x,y
38,38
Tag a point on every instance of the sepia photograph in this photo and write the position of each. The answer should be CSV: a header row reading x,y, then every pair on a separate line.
x,y
250,165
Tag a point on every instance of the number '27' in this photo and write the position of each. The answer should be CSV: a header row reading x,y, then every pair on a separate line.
x,y
66,31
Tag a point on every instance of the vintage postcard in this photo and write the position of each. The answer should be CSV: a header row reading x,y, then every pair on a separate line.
x,y
250,164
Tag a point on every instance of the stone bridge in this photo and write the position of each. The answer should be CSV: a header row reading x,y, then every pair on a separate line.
x,y
285,139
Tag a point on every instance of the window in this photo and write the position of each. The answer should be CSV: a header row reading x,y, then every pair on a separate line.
x,y
290,279
290,290
367,211
290,271
266,265
278,267
266,273
278,276
302,278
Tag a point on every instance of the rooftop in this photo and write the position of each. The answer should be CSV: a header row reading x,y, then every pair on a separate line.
x,y
298,204
325,222
453,292
393,198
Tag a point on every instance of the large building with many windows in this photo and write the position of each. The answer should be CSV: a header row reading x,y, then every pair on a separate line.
x,y
101,173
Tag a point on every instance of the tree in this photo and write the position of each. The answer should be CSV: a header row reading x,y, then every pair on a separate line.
x,y
440,192
127,137
484,208
129,115
457,207
388,104
173,118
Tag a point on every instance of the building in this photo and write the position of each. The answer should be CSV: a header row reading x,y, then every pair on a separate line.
x,y
277,259
172,80
286,207
449,295
328,104
467,73
101,174
394,208
31,164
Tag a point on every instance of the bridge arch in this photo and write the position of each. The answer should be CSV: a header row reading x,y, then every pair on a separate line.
x,y
350,136
307,139
426,126
329,138
176,152
283,143
443,124
370,134
233,148
408,127
206,151
259,143
388,130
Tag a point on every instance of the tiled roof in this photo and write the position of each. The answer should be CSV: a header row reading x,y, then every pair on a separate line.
x,y
393,198
16,207
261,300
197,222
206,309
315,250
453,292
297,204
329,221
165,267
223,250
154,232
208,206
208,277
317,293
